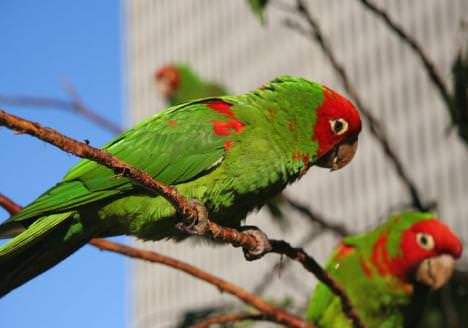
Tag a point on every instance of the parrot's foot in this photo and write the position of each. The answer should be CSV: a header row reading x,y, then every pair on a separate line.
x,y
195,225
263,243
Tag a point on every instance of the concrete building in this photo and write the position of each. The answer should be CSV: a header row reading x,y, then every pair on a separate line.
x,y
225,42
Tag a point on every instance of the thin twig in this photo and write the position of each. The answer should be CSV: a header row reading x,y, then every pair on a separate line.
x,y
375,127
339,229
73,106
9,205
183,206
227,318
429,66
272,312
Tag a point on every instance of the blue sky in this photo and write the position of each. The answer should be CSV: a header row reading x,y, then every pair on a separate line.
x,y
44,43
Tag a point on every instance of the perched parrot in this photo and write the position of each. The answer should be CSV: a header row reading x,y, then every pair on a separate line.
x,y
179,84
231,153
388,272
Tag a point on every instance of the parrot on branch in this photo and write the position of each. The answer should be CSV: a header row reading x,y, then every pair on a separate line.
x,y
229,153
179,84
388,272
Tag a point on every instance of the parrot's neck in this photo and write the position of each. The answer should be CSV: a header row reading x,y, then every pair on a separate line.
x,y
289,110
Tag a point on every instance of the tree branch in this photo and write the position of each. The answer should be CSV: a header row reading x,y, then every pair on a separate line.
x,y
375,127
269,312
339,229
429,66
9,205
75,105
183,206
227,318
273,313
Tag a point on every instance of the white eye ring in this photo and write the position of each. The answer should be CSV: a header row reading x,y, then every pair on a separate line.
x,y
425,241
339,126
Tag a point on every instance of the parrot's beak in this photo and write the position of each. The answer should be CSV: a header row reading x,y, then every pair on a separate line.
x,y
340,155
435,271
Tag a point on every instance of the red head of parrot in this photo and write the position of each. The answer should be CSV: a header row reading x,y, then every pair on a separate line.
x,y
337,129
426,252
167,79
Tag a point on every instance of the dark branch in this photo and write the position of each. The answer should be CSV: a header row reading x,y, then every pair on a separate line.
x,y
339,229
429,66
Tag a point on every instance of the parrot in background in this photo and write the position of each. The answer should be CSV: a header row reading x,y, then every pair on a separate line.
x,y
258,8
230,153
179,84
388,272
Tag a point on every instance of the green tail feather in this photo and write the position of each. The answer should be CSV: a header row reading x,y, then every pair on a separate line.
x,y
46,242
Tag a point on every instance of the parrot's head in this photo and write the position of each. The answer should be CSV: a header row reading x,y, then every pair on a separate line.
x,y
336,130
417,247
168,79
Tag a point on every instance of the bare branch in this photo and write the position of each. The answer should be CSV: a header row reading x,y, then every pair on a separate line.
x,y
375,127
182,205
429,66
9,205
274,313
74,106
269,312
339,229
227,318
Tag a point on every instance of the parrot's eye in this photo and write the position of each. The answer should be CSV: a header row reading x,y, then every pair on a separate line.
x,y
339,126
425,241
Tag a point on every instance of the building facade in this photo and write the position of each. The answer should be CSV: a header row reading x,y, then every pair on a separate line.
x,y
224,41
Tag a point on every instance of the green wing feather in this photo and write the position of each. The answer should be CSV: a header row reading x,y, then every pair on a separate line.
x,y
173,146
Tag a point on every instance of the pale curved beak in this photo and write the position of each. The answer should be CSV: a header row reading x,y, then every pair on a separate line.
x,y
340,155
434,272
163,87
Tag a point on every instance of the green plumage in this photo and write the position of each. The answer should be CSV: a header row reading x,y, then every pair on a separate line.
x,y
192,86
231,170
381,301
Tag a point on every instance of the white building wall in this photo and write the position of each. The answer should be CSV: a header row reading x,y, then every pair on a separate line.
x,y
223,41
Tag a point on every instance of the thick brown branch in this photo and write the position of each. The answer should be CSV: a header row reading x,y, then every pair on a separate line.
x,y
270,311
376,128
429,66
228,318
9,205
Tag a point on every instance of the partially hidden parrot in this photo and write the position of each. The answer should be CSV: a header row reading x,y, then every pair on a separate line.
x,y
178,84
388,272
230,153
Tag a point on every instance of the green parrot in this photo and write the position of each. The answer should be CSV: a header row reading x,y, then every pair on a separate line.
x,y
388,272
179,84
231,153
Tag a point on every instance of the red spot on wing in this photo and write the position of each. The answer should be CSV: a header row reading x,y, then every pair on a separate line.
x,y
366,267
228,144
224,128
380,257
334,106
171,122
